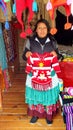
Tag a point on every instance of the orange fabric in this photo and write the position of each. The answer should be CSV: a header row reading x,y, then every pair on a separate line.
x,y
53,31
2,82
67,26
0,100
56,4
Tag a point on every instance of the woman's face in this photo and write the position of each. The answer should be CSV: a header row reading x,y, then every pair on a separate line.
x,y
42,30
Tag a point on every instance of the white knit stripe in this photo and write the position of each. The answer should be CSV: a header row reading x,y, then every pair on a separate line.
x,y
35,59
55,64
45,58
48,58
41,68
28,65
31,59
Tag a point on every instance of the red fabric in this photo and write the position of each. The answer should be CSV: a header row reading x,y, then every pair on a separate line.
x,y
39,110
51,61
67,73
40,65
55,5
21,5
16,25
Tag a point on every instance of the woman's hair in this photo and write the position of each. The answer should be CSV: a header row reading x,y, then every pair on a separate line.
x,y
42,21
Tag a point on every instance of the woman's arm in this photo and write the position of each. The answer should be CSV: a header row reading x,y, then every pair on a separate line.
x,y
53,53
26,51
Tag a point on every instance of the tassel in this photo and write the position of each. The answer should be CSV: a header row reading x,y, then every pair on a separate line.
x,y
29,31
7,25
53,29
34,6
14,7
23,35
48,6
26,33
67,25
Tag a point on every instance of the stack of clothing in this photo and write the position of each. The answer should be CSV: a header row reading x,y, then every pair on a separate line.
x,y
67,100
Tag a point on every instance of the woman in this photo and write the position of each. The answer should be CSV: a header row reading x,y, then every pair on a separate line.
x,y
41,102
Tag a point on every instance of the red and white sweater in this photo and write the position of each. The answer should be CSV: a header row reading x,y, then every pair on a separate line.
x,y
41,66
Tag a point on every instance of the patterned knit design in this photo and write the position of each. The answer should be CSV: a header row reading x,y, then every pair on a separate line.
x,y
48,97
41,66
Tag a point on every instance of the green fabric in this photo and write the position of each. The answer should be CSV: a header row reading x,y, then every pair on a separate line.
x,y
52,73
42,97
6,0
30,74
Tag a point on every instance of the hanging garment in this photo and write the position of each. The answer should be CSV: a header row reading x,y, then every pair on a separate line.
x,y
3,16
6,79
68,110
2,82
9,43
3,62
3,57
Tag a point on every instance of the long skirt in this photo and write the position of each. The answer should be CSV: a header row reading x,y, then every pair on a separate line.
x,y
43,103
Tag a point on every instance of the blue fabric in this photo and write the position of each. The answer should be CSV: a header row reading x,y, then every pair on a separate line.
x,y
3,58
34,6
14,8
7,25
44,97
2,6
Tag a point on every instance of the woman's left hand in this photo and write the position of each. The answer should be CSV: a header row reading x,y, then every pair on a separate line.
x,y
53,53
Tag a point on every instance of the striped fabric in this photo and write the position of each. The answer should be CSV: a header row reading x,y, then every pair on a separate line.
x,y
41,67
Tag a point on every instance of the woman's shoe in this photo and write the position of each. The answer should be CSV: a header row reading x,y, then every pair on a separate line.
x,y
49,122
33,119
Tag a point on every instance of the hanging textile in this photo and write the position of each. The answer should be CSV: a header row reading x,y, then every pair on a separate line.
x,y
8,38
3,58
2,82
6,79
67,110
3,63
9,13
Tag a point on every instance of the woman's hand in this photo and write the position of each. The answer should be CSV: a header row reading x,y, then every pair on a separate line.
x,y
53,53
29,53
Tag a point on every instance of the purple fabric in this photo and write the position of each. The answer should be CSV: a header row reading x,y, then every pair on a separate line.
x,y
68,110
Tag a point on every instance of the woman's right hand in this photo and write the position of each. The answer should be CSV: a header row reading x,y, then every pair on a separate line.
x,y
29,53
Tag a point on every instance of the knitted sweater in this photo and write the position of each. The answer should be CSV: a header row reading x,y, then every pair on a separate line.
x,y
41,66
